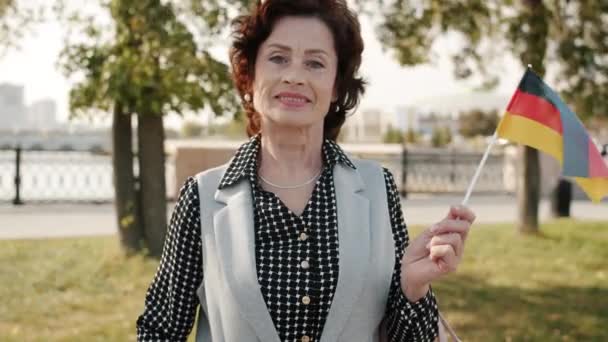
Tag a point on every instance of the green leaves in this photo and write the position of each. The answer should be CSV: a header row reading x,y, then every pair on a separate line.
x,y
477,123
569,34
152,63
210,18
410,29
407,31
17,17
582,49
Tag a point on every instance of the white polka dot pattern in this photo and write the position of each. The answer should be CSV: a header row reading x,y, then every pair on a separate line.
x,y
171,300
297,298
406,321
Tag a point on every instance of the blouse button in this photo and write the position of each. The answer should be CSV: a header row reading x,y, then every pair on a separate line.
x,y
306,300
305,339
303,237
305,264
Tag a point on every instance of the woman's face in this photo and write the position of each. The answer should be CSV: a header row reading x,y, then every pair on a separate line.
x,y
295,72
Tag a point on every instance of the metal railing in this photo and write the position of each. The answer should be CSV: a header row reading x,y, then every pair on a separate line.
x,y
434,170
450,171
59,176
86,176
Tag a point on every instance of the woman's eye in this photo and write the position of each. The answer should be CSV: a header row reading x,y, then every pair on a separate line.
x,y
316,65
278,59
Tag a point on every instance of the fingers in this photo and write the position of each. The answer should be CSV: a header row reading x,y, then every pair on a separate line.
x,y
452,239
445,240
451,226
460,212
445,257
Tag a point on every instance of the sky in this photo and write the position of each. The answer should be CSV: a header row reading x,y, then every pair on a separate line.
x,y
390,85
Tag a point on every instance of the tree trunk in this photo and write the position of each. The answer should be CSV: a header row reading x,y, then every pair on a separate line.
x,y
130,230
153,195
534,38
528,190
561,197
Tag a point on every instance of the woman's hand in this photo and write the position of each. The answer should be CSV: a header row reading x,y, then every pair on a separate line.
x,y
436,252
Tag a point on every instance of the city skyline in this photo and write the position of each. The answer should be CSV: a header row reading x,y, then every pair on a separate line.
x,y
16,114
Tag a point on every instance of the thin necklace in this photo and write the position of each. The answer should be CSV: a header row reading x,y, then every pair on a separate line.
x,y
291,186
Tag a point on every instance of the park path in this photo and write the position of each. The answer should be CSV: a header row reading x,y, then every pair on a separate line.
x,y
40,221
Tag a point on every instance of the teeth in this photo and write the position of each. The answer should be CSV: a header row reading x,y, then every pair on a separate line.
x,y
292,99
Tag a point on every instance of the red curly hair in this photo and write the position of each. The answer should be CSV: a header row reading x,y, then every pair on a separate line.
x,y
250,31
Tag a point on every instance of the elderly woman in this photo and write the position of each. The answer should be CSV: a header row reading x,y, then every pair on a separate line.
x,y
292,240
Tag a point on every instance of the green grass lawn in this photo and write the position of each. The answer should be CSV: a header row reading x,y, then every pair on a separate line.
x,y
552,287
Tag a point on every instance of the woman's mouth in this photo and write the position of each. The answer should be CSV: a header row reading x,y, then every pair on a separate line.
x,y
292,100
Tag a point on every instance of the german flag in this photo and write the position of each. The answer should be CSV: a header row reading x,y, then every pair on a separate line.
x,y
537,117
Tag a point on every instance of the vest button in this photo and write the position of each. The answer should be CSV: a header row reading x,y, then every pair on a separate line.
x,y
305,339
306,300
303,237
305,264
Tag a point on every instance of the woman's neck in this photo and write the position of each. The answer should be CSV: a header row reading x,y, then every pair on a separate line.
x,y
289,157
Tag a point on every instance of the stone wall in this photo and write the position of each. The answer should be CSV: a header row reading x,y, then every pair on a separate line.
x,y
191,159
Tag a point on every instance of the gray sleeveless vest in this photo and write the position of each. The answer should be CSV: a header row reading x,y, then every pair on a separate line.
x,y
232,306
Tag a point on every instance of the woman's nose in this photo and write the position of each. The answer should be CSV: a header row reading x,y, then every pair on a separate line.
x,y
293,75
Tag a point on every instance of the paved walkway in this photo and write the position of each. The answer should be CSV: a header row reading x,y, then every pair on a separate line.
x,y
61,220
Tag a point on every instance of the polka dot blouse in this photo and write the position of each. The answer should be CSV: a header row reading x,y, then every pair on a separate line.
x,y
287,270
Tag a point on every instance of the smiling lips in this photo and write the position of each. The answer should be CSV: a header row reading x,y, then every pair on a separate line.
x,y
292,100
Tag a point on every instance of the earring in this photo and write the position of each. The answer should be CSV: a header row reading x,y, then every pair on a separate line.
x,y
247,97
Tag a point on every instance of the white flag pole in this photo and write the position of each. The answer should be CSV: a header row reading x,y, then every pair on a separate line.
x,y
479,167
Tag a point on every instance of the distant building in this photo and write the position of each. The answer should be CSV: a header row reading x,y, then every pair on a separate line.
x,y
424,122
369,125
430,122
12,108
42,115
407,118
